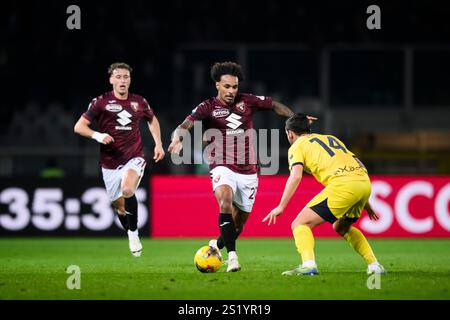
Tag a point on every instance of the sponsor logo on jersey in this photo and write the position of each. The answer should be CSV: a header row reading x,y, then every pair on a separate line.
x,y
112,101
241,106
124,118
237,131
233,121
113,107
217,178
220,113
261,98
135,106
124,128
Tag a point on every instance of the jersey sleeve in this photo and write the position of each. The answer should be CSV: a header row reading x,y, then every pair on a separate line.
x,y
259,102
295,156
93,110
148,111
200,112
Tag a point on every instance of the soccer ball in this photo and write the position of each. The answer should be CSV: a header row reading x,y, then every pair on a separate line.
x,y
208,259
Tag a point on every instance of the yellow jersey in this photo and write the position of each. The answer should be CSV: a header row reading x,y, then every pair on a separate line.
x,y
326,158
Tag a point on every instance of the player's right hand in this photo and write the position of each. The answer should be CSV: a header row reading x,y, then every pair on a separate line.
x,y
272,216
175,146
102,138
107,139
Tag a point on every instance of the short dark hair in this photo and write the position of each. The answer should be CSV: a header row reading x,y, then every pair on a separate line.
x,y
298,123
226,68
119,65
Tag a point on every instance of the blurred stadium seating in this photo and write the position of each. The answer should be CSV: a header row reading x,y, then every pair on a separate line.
x,y
384,92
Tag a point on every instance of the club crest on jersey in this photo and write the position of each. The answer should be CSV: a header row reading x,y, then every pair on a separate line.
x,y
113,107
135,106
220,113
240,106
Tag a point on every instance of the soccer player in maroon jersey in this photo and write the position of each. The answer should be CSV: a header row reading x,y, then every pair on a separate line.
x,y
234,183
118,114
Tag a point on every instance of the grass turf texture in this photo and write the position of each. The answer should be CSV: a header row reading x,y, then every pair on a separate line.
x,y
35,268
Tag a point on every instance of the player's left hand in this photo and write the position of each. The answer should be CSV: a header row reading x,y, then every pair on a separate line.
x,y
175,146
372,214
159,153
272,216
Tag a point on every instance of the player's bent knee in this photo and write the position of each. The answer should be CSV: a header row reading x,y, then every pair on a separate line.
x,y
341,230
309,224
225,204
295,224
127,192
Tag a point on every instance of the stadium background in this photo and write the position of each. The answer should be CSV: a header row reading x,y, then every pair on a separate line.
x,y
383,92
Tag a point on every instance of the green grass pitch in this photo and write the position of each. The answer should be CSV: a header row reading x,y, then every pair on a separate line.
x,y
35,268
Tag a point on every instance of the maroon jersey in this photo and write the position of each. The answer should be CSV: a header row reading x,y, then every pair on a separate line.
x,y
120,119
232,121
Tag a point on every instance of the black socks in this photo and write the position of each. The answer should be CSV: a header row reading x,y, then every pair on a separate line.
x,y
131,212
227,231
123,221
221,243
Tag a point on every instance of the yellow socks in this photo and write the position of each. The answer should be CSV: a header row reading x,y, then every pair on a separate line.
x,y
304,241
360,244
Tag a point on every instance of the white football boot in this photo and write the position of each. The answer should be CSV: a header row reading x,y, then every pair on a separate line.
x,y
213,243
135,243
233,263
375,268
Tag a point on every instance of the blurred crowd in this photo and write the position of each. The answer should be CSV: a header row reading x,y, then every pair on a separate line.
x,y
51,73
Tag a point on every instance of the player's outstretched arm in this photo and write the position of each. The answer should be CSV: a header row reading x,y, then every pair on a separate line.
x,y
289,190
176,145
82,128
155,130
282,110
